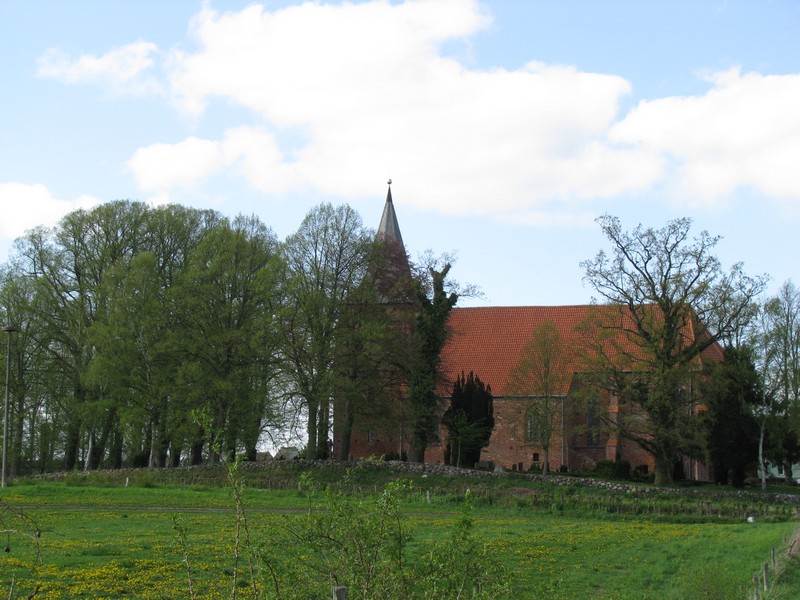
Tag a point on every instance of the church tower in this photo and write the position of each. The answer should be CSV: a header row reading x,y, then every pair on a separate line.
x,y
394,282
389,228
374,426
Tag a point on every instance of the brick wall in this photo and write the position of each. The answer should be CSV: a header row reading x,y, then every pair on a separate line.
x,y
507,447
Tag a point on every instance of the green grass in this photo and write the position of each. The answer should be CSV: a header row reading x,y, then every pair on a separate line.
x,y
112,542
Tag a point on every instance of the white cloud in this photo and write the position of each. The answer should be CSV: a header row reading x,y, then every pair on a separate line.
x,y
185,164
163,166
260,160
159,199
366,86
29,205
123,68
745,131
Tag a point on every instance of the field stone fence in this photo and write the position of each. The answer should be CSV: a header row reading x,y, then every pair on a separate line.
x,y
281,474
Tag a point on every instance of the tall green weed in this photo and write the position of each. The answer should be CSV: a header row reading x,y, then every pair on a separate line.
x,y
364,545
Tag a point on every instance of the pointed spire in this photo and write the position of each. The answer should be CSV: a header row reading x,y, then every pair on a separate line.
x,y
389,228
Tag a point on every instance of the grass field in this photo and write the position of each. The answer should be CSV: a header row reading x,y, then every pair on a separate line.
x,y
121,542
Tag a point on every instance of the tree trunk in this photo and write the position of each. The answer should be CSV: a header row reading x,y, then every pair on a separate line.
x,y
322,430
15,443
174,456
71,444
546,463
664,472
311,430
115,452
87,462
152,461
196,457
761,466
95,457
347,429
45,446
787,473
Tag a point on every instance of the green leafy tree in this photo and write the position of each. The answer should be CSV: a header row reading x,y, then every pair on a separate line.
x,y
327,261
430,336
730,391
469,420
15,310
371,346
674,302
130,357
781,340
227,292
174,232
66,266
540,378
71,296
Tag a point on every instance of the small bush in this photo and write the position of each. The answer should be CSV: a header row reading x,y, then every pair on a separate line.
x,y
622,469
604,469
609,469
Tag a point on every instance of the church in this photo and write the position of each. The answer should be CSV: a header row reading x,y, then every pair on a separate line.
x,y
491,342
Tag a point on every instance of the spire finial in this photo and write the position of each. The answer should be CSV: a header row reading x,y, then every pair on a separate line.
x,y
389,182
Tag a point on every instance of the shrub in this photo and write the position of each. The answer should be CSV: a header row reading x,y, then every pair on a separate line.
x,y
604,469
610,469
622,469
364,544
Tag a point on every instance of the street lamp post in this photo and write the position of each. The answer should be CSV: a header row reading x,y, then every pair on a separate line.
x,y
9,329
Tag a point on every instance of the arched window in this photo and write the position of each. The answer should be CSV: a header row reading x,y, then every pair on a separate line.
x,y
593,424
534,428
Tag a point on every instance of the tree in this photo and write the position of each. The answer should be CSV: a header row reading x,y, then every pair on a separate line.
x,y
129,340
675,302
227,293
372,345
731,391
327,261
469,420
541,378
781,339
16,298
430,336
66,266
102,352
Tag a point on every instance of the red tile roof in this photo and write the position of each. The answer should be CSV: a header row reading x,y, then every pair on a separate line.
x,y
489,340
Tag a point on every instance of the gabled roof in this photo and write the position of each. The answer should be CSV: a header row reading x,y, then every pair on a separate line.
x,y
490,340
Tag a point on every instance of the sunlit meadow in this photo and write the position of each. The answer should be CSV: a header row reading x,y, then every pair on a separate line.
x,y
122,543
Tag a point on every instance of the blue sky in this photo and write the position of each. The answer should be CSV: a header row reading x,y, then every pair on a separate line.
x,y
506,126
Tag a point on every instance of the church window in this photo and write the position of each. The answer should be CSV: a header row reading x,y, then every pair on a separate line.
x,y
593,424
534,429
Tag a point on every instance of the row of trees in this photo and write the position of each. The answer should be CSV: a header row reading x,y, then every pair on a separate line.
x,y
144,333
